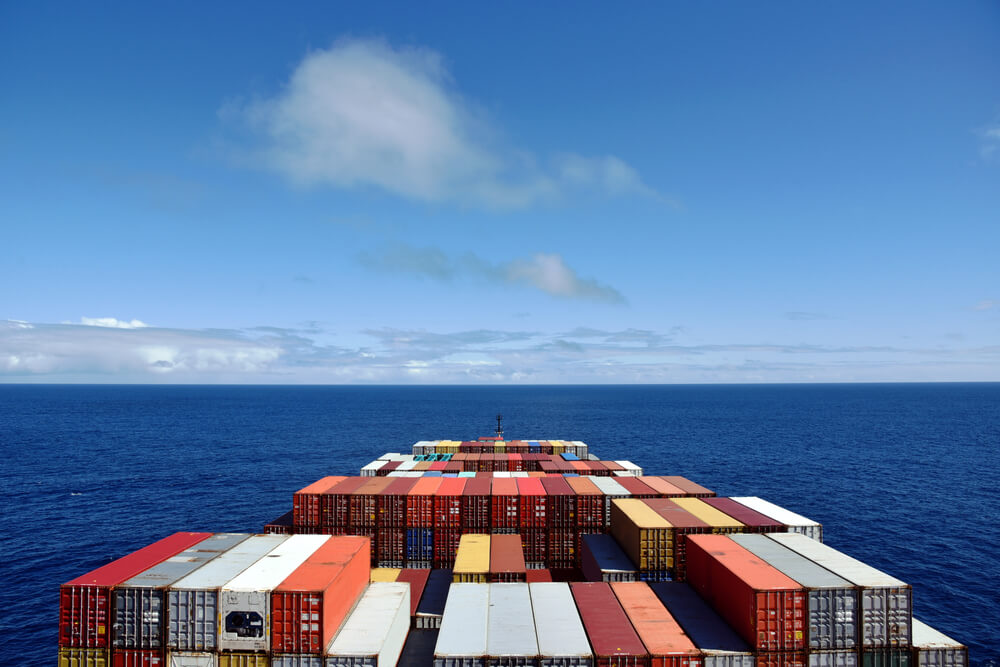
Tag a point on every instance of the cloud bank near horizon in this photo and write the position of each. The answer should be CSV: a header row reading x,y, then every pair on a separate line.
x,y
41,352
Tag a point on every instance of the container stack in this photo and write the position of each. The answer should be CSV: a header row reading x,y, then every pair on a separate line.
x,y
491,552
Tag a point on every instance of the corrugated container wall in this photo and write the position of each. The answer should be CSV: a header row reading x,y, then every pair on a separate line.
x,y
462,639
601,559
510,634
562,640
932,648
611,634
719,644
663,638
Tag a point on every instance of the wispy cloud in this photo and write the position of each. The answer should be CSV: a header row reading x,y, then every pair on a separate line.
x,y
987,304
365,114
801,316
989,137
112,322
547,272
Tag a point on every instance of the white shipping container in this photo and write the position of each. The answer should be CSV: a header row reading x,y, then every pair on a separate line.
x,y
886,602
630,469
192,659
193,602
462,638
796,522
245,601
502,474
510,633
390,456
611,490
372,468
562,641
374,634
833,659
296,660
407,464
932,648
520,473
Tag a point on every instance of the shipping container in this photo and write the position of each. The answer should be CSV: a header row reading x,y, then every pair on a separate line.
x,y
532,503
689,487
432,602
643,534
419,547
192,659
767,608
665,641
510,632
193,602
611,490
387,469
371,469
337,502
932,648
391,503
472,561
506,559
886,657
420,503
139,613
283,525
504,505
418,651
684,523
376,629
886,602
85,602
536,543
561,502
832,612
242,659
363,501
83,657
297,660
417,581
602,559
384,574
311,603
629,469
754,521
782,659
307,503
834,659
476,505
611,635
562,640
130,657
462,639
589,503
245,600
543,575
446,542
448,504
719,644
663,488
720,522
637,487
795,523
390,547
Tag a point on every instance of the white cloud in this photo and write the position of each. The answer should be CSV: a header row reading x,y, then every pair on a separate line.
x,y
112,323
990,141
987,304
362,113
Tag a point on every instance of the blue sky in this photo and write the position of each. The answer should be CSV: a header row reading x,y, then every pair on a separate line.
x,y
463,193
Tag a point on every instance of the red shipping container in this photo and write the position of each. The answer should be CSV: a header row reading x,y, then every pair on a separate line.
x,y
537,576
782,659
612,467
689,487
663,488
84,602
448,503
764,606
138,658
337,502
579,467
536,545
392,502
307,503
476,504
596,468
387,468
636,487
446,546
309,606
562,548
438,465
547,466
532,502
504,505
684,523
506,559
364,502
561,502
371,533
417,579
611,634
420,502
515,463
589,504
665,641
454,466
752,519
390,546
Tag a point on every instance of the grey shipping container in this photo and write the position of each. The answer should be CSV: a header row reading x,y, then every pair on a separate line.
x,y
374,633
718,642
296,660
886,602
562,640
193,602
462,640
430,609
932,648
192,659
601,559
833,601
510,630
138,603
833,659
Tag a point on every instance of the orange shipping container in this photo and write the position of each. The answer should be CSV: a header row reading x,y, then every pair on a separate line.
x,y
307,507
663,638
420,502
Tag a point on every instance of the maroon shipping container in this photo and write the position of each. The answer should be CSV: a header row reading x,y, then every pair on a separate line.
x,y
506,558
764,606
562,551
589,504
321,592
281,526
387,468
611,634
537,576
783,659
536,545
561,502
548,466
637,488
612,466
689,487
392,502
752,519
390,546
371,533
84,602
504,504
476,504
453,467
684,523
532,502
364,502
307,503
515,463
446,546
337,502
417,579
420,502
448,503
138,658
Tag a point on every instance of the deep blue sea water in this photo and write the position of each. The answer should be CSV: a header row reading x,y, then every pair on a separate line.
x,y
903,476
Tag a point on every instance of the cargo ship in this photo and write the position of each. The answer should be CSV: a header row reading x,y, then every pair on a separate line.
x,y
501,552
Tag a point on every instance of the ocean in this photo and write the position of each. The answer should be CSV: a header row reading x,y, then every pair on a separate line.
x,y
902,476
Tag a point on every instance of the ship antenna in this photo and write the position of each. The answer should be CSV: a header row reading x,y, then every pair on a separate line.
x,y
499,426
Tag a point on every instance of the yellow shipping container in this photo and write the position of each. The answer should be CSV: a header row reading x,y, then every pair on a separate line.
x,y
234,659
472,561
644,535
719,521
384,574
83,657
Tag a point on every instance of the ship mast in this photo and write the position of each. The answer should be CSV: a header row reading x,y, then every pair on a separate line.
x,y
499,426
